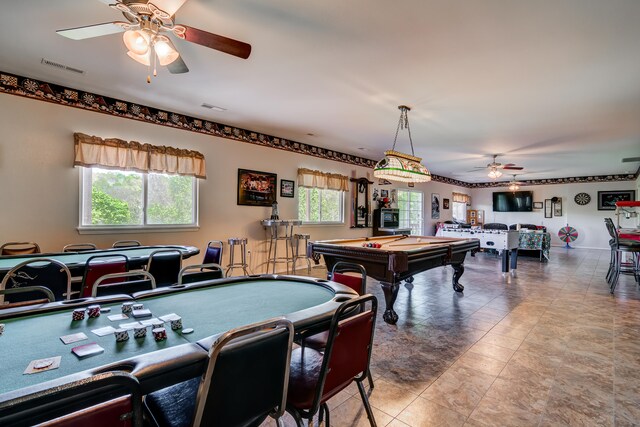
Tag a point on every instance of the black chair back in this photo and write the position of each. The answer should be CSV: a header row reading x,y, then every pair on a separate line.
x,y
45,295
199,273
165,266
611,228
46,272
527,226
246,379
111,399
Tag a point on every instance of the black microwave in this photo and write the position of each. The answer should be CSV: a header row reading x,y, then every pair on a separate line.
x,y
389,218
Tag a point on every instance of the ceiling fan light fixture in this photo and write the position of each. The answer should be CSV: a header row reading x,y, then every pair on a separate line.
x,y
136,42
142,59
165,50
494,173
397,166
514,187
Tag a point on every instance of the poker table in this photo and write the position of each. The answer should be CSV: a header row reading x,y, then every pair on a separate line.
x,y
210,308
75,261
396,259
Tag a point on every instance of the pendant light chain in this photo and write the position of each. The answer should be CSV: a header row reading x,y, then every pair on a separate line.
x,y
403,123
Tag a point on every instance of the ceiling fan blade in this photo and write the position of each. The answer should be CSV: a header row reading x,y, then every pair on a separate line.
x,y
513,168
217,42
169,6
89,31
178,66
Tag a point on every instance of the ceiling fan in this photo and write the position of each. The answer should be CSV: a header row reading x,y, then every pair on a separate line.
x,y
494,167
145,34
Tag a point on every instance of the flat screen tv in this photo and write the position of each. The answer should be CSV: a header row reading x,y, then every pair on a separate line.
x,y
518,201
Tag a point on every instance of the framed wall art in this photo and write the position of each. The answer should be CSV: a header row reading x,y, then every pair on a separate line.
x,y
256,188
445,203
557,208
607,199
548,208
435,206
287,188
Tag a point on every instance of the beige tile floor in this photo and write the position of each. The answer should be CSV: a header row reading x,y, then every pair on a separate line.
x,y
550,347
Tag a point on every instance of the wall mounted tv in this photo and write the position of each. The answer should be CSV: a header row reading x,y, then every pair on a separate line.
x,y
518,201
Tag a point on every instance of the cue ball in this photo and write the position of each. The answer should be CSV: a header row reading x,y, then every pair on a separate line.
x,y
418,240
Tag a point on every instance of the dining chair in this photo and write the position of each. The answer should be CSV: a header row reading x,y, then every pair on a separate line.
x,y
245,380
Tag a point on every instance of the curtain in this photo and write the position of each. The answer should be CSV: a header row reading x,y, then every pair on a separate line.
x,y
462,198
114,153
316,179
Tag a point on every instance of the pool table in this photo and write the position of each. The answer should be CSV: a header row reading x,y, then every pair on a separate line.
x,y
210,308
398,258
75,262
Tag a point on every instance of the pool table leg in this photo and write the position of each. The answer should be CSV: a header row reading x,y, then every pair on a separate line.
x,y
390,294
458,270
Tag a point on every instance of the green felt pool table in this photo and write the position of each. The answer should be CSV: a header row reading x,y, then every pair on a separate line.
x,y
210,308
75,262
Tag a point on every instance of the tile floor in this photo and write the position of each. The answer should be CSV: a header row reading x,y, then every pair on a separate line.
x,y
550,347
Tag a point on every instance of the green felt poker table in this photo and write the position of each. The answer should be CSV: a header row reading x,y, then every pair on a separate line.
x,y
210,308
75,262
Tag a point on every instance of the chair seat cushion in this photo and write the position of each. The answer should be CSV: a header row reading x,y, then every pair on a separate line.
x,y
174,406
629,244
303,377
317,341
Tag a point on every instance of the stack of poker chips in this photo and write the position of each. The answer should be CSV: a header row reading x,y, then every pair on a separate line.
x,y
176,323
140,331
159,334
121,335
1,328
93,310
127,308
78,314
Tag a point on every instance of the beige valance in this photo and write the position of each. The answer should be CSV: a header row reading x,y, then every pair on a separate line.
x,y
112,153
316,179
461,198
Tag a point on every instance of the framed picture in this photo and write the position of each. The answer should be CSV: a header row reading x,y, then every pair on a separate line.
x,y
607,199
557,208
384,193
472,214
445,203
256,188
411,185
548,208
286,188
435,206
537,205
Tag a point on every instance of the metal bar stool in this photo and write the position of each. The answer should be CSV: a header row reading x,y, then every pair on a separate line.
x,y
275,235
296,251
233,242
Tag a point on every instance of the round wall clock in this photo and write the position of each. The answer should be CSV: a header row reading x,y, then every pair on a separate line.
x,y
582,199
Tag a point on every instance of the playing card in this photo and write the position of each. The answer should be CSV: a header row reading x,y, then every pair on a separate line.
x,y
69,339
129,326
119,316
42,365
101,332
145,312
169,317
87,350
149,322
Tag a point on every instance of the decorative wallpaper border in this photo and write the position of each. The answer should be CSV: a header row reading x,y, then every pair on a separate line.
x,y
49,92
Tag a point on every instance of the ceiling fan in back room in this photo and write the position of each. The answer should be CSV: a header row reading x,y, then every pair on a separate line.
x,y
146,34
495,167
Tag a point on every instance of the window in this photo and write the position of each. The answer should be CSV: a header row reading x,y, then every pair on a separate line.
x,y
459,210
122,199
320,206
411,207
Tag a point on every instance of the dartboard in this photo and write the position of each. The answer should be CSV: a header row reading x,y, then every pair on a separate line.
x,y
567,234
582,199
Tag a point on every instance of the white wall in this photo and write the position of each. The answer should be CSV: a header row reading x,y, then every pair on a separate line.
x,y
587,220
39,185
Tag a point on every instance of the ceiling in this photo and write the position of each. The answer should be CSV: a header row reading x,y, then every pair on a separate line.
x,y
552,86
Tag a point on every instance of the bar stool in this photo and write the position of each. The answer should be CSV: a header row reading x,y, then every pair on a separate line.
x,y
233,242
273,227
296,251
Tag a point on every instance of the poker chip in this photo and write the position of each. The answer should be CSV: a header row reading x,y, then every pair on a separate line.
x,y
160,334
78,314
105,310
187,331
44,363
176,323
93,310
